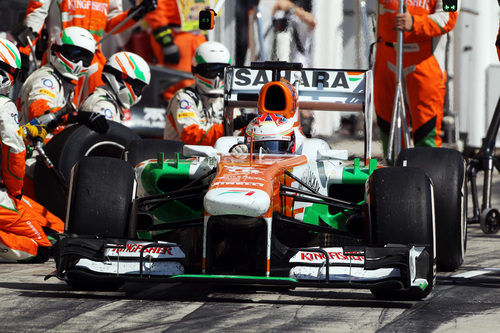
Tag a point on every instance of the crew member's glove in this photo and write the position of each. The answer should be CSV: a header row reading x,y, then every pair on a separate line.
x,y
92,120
143,8
165,38
31,132
242,120
21,33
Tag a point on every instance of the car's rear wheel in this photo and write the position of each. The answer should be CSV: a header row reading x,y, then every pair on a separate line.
x,y
66,149
101,194
446,168
401,212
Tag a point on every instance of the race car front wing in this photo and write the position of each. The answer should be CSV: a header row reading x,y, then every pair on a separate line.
x,y
349,266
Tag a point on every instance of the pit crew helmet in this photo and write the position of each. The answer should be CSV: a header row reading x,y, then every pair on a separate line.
x,y
278,97
272,132
208,65
128,75
72,52
10,63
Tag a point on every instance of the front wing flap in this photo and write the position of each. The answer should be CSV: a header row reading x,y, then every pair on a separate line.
x,y
358,266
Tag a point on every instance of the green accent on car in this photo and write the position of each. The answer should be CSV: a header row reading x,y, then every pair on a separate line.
x,y
423,285
314,213
175,169
234,277
357,174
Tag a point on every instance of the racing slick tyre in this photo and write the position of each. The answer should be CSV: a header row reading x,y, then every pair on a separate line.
x,y
66,149
143,149
446,168
401,212
101,194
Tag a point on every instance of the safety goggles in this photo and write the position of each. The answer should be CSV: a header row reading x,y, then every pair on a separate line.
x,y
9,69
138,86
75,53
210,70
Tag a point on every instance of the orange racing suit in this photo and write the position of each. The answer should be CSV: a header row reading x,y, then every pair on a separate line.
x,y
423,68
21,219
167,14
97,16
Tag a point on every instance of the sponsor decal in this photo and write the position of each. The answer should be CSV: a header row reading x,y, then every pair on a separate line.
x,y
15,116
335,255
310,179
309,79
136,248
246,193
184,104
186,115
220,183
88,4
47,92
48,83
108,113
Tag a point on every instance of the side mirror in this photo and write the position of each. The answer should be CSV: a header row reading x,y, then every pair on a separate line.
x,y
199,151
206,20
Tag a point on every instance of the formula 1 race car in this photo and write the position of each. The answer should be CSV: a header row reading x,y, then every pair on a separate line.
x,y
168,212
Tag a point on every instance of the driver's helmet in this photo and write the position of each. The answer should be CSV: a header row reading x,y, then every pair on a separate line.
x,y
272,132
10,63
128,75
208,65
72,52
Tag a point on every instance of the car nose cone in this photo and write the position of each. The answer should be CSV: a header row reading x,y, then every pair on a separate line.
x,y
226,201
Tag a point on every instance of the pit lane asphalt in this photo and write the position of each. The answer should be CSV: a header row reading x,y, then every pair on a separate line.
x,y
457,304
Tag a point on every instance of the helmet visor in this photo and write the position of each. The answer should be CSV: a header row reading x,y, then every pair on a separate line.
x,y
138,86
210,70
273,146
75,54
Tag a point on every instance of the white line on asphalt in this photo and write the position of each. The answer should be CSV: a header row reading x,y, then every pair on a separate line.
x,y
470,274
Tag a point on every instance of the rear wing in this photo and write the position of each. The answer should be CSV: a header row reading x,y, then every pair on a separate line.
x,y
318,89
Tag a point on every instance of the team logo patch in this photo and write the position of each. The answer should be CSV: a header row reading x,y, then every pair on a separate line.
x,y
47,92
184,104
108,113
186,115
48,83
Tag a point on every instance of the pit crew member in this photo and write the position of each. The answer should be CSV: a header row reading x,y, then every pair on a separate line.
x,y
96,16
125,75
172,44
425,26
51,87
194,114
22,220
